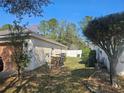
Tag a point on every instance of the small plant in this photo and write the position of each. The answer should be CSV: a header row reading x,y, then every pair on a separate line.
x,y
18,40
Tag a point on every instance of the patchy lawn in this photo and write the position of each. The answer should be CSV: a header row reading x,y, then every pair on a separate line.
x,y
65,80
73,63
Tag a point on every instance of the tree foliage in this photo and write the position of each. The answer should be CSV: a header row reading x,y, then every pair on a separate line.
x,y
24,7
53,26
44,27
20,52
53,23
108,33
84,23
5,27
61,31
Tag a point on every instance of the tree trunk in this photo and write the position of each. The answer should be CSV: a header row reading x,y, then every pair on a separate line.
x,y
19,72
111,76
113,63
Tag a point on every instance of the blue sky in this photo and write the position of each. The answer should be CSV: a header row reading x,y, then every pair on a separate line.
x,y
71,10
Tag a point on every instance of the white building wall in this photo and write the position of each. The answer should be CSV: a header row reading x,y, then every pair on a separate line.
x,y
102,57
36,55
40,52
49,48
120,65
72,53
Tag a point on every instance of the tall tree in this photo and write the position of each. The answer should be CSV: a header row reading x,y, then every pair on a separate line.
x,y
53,23
84,23
44,27
61,31
108,33
53,26
70,34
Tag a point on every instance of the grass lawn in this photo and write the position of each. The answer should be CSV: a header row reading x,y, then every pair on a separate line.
x,y
67,80
73,63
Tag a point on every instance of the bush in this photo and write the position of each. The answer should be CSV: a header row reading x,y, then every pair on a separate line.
x,y
85,54
92,59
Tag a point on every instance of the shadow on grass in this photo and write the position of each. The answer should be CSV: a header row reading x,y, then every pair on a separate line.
x,y
27,84
10,84
41,80
82,62
82,73
63,82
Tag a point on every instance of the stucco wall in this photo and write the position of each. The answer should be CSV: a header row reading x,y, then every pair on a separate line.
x,y
102,57
36,54
40,52
120,65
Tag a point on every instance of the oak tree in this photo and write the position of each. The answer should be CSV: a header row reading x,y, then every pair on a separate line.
x,y
108,33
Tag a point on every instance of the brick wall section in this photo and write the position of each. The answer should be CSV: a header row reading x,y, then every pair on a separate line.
x,y
6,53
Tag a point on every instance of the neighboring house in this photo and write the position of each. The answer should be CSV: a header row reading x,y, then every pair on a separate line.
x,y
39,49
102,57
73,53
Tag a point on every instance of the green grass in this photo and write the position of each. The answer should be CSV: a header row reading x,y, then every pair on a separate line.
x,y
73,63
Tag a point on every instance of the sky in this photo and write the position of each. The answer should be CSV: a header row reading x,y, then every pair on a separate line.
x,y
70,10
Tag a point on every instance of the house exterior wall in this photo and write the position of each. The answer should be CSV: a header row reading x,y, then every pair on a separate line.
x,y
6,54
120,65
104,58
40,52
